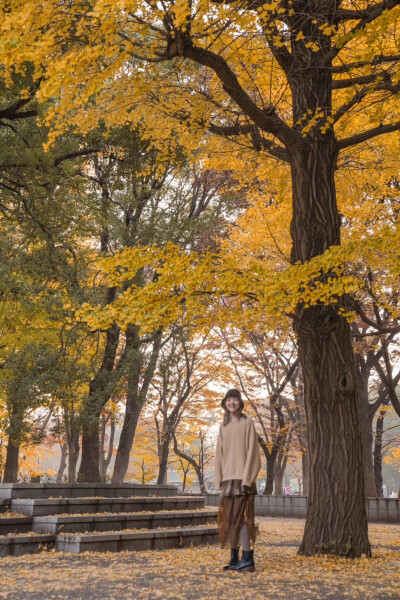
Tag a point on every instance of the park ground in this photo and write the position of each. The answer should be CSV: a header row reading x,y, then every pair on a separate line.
x,y
195,573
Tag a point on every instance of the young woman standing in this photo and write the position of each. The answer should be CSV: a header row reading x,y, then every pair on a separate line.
x,y
237,463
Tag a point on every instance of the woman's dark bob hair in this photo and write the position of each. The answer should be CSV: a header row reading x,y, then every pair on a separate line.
x,y
235,394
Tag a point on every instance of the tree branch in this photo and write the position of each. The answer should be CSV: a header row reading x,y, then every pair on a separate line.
x,y
75,154
365,15
382,86
12,112
258,142
359,138
266,119
390,384
341,84
376,60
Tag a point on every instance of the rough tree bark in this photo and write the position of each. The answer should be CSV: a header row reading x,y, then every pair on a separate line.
x,y
326,354
324,337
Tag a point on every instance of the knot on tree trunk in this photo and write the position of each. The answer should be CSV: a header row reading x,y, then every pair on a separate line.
x,y
346,382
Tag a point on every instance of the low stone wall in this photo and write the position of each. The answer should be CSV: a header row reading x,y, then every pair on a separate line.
x,y
386,510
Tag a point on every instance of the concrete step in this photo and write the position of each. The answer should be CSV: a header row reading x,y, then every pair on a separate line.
x,y
25,544
10,491
159,539
15,525
116,522
56,506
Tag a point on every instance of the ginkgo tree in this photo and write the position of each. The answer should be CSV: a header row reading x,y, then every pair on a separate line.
x,y
301,82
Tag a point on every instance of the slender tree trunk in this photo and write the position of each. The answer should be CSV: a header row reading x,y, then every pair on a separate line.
x,y
143,476
192,462
378,454
336,516
270,458
12,462
13,445
184,481
163,461
280,468
135,398
278,484
63,462
100,390
73,454
305,471
132,414
106,459
366,428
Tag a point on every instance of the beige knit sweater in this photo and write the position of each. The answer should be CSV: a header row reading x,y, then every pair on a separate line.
x,y
237,455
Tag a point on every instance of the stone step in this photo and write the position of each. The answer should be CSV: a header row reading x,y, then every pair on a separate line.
x,y
15,525
159,539
25,544
9,491
57,506
120,521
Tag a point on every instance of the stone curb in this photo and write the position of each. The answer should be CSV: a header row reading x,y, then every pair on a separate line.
x,y
54,506
138,541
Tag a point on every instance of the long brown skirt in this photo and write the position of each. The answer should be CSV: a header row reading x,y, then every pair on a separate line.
x,y
235,510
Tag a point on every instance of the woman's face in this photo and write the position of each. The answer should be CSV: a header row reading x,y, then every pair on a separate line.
x,y
232,404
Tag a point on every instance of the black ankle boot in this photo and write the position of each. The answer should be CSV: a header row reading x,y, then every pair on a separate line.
x,y
247,562
234,560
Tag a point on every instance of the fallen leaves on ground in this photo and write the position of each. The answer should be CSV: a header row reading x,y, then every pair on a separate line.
x,y
195,573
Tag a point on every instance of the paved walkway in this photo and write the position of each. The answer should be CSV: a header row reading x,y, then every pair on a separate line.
x,y
195,573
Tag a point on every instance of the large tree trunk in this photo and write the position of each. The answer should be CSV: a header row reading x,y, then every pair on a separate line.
x,y
336,516
100,390
12,462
